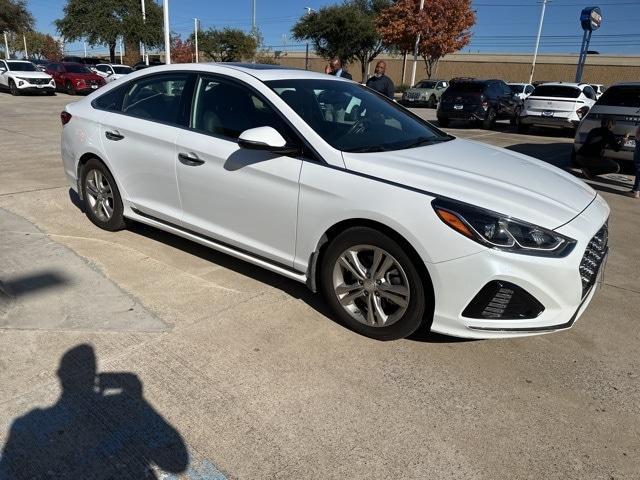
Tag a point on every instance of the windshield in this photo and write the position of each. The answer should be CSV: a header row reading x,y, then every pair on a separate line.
x,y
76,68
556,91
122,69
621,96
515,88
22,67
426,85
352,118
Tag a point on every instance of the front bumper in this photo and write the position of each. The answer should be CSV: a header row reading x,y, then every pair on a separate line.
x,y
467,114
554,282
37,88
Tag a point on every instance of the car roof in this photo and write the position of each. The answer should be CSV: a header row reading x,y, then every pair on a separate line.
x,y
18,61
564,84
626,84
261,72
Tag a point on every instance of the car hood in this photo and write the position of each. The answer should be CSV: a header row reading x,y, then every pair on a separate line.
x,y
84,76
31,74
479,174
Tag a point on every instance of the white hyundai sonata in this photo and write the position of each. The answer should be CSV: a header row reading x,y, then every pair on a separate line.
x,y
319,179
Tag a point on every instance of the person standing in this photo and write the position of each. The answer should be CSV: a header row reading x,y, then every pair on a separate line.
x,y
635,191
335,68
380,82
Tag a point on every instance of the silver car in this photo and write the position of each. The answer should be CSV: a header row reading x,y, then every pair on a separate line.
x,y
424,93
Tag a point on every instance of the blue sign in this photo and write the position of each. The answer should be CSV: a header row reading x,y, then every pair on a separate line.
x,y
591,18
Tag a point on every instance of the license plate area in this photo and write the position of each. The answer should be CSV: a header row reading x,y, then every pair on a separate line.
x,y
547,113
630,143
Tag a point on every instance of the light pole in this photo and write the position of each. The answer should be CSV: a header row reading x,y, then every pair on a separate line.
x,y
145,55
26,54
195,28
6,46
415,51
167,38
535,53
253,19
121,49
85,49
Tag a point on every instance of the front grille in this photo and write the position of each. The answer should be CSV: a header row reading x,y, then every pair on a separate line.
x,y
592,259
39,81
412,95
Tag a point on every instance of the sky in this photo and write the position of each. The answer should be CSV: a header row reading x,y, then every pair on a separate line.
x,y
504,26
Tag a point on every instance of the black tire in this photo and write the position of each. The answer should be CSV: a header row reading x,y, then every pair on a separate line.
x,y
443,122
432,102
516,114
51,93
522,127
68,87
490,119
573,161
13,88
116,221
409,320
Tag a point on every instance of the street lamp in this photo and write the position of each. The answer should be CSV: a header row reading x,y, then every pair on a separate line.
x,y
167,39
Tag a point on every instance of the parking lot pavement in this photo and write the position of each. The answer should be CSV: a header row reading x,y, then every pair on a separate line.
x,y
244,371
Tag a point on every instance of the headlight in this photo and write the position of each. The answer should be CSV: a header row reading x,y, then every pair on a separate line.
x,y
501,232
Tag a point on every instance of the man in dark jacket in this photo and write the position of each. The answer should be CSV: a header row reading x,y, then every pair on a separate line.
x,y
591,157
335,68
380,82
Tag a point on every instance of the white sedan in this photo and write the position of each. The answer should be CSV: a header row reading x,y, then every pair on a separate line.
x,y
112,72
400,225
21,76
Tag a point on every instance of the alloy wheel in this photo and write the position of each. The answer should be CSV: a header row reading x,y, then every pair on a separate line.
x,y
100,195
371,285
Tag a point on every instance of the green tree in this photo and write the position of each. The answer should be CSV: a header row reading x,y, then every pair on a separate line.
x,y
14,16
346,31
102,22
227,45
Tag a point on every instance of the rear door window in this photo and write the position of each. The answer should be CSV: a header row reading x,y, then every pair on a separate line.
x,y
157,98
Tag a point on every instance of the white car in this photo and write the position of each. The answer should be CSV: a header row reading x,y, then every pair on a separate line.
x,y
556,105
521,90
599,89
400,225
21,76
112,72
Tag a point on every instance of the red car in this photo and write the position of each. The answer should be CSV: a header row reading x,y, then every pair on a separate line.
x,y
73,77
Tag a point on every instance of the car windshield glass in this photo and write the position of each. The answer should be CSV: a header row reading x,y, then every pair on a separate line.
x,y
621,96
122,69
517,88
71,68
471,87
556,91
352,118
22,67
426,85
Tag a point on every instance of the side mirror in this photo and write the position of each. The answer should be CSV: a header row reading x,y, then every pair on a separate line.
x,y
2,69
265,138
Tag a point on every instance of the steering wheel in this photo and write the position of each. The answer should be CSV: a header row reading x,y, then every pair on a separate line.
x,y
359,127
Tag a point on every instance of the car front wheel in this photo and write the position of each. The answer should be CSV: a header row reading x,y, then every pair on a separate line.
x,y
13,88
102,201
372,285
69,88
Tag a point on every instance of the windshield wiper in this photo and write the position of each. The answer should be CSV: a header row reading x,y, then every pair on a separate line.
x,y
371,148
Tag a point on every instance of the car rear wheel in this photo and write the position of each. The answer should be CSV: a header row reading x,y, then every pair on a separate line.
x,y
490,120
69,88
432,102
522,127
372,285
13,88
102,201
516,114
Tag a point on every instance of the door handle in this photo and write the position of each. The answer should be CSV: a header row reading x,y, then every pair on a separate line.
x,y
113,135
191,160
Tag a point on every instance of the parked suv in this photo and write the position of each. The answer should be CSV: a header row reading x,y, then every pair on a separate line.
x,y
557,105
20,76
424,93
620,102
74,78
482,101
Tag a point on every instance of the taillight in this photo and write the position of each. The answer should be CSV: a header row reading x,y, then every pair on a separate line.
x,y
582,111
65,117
485,105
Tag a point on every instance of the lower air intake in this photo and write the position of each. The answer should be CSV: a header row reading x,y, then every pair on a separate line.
x,y
500,300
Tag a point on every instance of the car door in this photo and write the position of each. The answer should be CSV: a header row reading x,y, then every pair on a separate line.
x,y
139,125
58,72
245,198
506,99
4,74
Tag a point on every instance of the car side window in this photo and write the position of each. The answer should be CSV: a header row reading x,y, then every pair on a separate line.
x,y
588,91
225,108
103,68
156,97
112,100
3,65
528,89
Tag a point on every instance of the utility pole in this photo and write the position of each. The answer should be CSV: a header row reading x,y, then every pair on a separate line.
x,y
195,29
535,53
253,19
145,55
6,46
167,38
85,49
415,51
121,48
26,54
306,57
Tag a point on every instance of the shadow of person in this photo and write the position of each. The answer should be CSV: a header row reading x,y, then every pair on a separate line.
x,y
100,428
